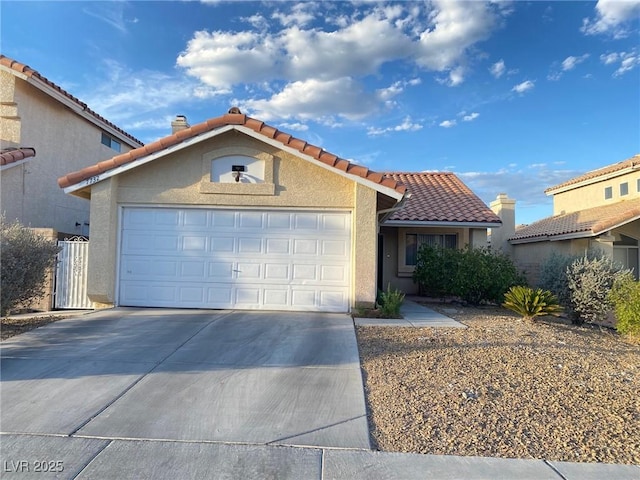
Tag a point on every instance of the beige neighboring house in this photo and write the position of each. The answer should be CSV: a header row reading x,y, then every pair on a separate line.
x,y
46,132
600,209
233,213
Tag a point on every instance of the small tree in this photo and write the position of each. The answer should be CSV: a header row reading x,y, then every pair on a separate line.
x,y
25,258
589,281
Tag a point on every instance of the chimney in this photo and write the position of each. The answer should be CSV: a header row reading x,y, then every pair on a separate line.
x,y
180,123
505,208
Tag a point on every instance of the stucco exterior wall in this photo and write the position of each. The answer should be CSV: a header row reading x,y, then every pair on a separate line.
x,y
589,196
63,141
530,256
178,179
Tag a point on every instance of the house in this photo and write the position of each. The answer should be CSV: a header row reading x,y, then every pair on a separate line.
x,y
46,132
600,209
233,213
440,210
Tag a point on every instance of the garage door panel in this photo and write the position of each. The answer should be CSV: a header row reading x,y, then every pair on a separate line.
x,y
208,258
334,247
222,244
192,243
249,245
221,270
219,295
221,218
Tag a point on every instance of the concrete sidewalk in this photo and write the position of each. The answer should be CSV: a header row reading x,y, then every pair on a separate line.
x,y
99,458
414,315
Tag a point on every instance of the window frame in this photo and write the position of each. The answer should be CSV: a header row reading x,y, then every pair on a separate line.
x,y
108,141
624,189
608,193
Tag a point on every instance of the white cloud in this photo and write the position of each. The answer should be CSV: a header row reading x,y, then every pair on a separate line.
x,y
531,183
570,62
471,117
567,64
609,58
436,37
407,125
612,17
523,87
141,99
316,100
498,69
627,61
300,14
111,13
447,123
301,127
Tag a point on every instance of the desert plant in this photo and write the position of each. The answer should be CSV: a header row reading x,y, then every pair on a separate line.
x,y
625,297
390,302
531,303
25,259
589,281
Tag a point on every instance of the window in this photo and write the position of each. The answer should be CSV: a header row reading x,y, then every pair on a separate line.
x,y
110,142
414,241
638,187
624,189
608,193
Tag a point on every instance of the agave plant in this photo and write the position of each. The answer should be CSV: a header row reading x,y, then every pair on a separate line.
x,y
531,303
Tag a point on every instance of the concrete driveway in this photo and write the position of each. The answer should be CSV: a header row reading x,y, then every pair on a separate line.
x,y
88,391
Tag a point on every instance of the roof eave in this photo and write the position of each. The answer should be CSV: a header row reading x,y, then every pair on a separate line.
x,y
77,109
430,223
553,238
15,164
590,181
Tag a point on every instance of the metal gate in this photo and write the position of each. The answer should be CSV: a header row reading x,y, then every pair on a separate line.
x,y
71,274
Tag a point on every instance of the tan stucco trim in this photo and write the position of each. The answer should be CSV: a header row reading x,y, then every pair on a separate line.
x,y
266,188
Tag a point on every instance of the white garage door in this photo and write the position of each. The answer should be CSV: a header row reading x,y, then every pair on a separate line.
x,y
246,259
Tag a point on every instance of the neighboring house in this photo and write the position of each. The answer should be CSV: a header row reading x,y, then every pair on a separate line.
x,y
44,133
233,213
600,209
440,210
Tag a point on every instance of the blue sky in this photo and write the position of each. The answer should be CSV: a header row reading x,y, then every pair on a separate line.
x,y
512,96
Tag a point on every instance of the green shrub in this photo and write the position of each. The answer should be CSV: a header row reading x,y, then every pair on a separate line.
x,y
433,269
625,297
589,281
390,302
25,258
475,275
531,303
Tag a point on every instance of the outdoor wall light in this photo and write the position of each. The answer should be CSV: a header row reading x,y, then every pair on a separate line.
x,y
237,171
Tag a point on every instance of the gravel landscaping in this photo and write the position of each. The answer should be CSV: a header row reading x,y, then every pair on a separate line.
x,y
11,326
503,388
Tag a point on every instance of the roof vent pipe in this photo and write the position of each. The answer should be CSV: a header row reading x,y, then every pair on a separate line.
x,y
180,123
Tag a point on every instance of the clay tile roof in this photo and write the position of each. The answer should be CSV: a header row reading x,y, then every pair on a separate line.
x,y
440,197
237,119
587,223
630,163
12,155
31,73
